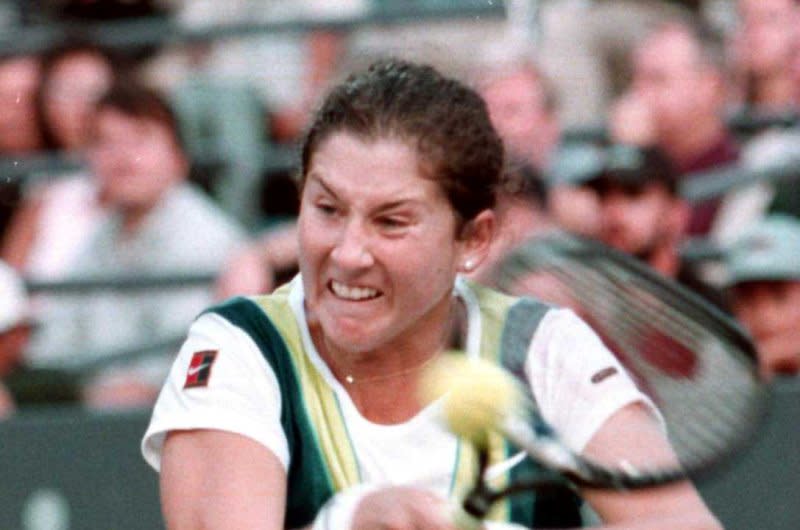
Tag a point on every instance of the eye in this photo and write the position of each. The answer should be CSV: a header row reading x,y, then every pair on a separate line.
x,y
392,222
325,208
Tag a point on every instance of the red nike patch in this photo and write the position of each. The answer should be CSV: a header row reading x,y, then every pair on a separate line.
x,y
199,371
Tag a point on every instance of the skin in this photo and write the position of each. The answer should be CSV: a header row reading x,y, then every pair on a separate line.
x,y
396,239
770,311
19,132
370,219
517,107
136,161
683,94
764,49
73,87
646,222
252,269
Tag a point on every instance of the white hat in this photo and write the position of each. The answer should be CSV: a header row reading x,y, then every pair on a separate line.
x,y
768,250
13,299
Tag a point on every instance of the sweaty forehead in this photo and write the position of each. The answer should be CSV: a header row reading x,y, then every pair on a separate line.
x,y
376,170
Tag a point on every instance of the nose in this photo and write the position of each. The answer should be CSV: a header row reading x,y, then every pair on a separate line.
x,y
352,250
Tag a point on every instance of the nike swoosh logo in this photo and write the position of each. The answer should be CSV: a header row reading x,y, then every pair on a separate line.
x,y
194,369
496,470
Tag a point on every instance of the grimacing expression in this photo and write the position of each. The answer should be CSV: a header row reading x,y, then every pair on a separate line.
x,y
378,246
135,160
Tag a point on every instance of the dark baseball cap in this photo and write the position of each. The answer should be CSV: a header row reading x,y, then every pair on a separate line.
x,y
626,165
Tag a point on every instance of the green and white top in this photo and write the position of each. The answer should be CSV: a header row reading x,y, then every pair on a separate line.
x,y
263,378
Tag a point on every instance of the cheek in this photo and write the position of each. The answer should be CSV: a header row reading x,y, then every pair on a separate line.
x,y
420,269
311,241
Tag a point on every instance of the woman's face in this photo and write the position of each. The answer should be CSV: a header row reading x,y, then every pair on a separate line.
x,y
378,251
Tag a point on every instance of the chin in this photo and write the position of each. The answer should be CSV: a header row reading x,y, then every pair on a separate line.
x,y
351,335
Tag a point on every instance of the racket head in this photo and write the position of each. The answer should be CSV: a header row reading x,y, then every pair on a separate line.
x,y
693,361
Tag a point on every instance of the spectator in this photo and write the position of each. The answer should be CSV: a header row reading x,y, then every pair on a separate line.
x,y
522,105
640,210
159,224
765,49
56,218
676,102
19,132
764,282
19,81
585,48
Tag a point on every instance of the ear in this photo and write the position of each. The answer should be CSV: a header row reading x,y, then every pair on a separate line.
x,y
475,241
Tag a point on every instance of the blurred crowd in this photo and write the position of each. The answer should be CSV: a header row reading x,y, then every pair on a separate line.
x,y
621,119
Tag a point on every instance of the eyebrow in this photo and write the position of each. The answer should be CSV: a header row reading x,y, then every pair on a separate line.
x,y
382,208
315,177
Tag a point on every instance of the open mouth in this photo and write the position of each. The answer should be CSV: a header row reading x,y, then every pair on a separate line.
x,y
352,292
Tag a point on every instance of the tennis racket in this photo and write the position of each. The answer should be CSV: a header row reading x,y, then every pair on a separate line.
x,y
692,360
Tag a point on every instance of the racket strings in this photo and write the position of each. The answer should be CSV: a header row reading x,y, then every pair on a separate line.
x,y
696,392
705,405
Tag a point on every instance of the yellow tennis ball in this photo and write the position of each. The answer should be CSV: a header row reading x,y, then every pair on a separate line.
x,y
477,395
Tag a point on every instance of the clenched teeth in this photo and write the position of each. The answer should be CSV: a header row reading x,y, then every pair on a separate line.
x,y
352,293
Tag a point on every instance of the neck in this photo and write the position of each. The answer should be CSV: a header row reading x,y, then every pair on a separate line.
x,y
382,382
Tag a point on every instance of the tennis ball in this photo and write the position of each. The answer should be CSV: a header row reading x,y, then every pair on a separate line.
x,y
477,395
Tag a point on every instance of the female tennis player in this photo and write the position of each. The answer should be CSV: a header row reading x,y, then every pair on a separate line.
x,y
300,409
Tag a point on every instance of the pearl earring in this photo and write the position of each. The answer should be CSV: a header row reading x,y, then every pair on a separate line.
x,y
468,265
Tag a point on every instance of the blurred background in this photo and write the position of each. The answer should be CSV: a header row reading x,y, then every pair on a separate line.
x,y
147,169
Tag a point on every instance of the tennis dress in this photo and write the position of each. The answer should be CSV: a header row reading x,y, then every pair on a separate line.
x,y
249,366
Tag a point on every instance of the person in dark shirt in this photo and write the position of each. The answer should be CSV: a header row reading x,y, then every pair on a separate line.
x,y
676,102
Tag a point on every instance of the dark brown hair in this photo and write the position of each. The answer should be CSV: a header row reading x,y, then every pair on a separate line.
x,y
134,99
442,118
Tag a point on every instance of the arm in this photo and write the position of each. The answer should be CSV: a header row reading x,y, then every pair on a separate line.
x,y
252,269
220,480
22,232
607,420
633,434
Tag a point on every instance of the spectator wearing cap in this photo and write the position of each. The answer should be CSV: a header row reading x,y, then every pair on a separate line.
x,y
764,285
639,209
